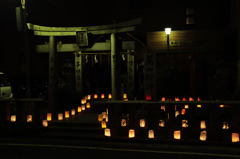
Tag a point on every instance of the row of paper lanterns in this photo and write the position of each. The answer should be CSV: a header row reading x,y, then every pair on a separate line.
x,y
13,118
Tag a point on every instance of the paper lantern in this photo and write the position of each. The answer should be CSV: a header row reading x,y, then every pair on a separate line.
x,y
123,122
67,114
184,123
235,137
150,134
163,108
142,123
104,114
49,116
162,123
102,96
107,132
100,117
45,123
163,99
225,125
131,133
103,124
221,106
191,99
60,116
198,99
186,106
13,118
95,96
199,106
88,105
203,124
109,96
89,97
203,135
124,96
184,99
176,113
83,101
177,99
183,111
29,118
106,119
177,134
148,96
79,109
83,107
73,112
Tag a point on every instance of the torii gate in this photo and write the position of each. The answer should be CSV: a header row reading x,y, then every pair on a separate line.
x,y
81,32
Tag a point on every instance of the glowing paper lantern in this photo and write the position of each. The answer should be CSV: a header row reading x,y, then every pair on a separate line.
x,y
73,112
124,96
104,114
49,116
183,111
66,114
163,108
60,116
109,96
198,99
102,96
106,119
191,99
177,113
103,124
221,106
79,109
163,99
83,107
83,101
199,106
186,106
225,125
107,132
203,124
123,122
184,123
89,97
142,123
203,135
150,134
162,123
100,117
13,118
88,105
131,133
29,118
235,137
45,123
184,99
177,135
177,99
95,96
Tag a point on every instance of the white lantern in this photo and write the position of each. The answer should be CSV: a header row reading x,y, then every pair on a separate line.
x,y
107,132
13,118
142,123
177,134
203,135
73,112
186,106
235,137
131,133
102,96
150,134
203,124
60,116
29,118
89,97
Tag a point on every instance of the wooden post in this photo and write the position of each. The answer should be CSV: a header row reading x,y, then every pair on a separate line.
x,y
116,87
78,74
130,74
52,98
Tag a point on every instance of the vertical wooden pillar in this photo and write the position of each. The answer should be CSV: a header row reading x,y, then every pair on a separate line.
x,y
116,87
78,74
130,74
52,88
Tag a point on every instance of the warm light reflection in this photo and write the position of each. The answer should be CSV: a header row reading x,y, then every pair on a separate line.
x,y
177,113
199,106
163,99
191,99
186,106
124,96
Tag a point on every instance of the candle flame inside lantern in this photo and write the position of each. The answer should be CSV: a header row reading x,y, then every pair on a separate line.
x,y
103,124
163,108
124,96
66,114
102,96
225,125
123,122
29,118
79,109
150,134
131,133
184,123
88,105
89,97
45,123
203,124
13,118
235,137
142,123
107,132
49,116
60,116
203,135
177,135
95,96
161,123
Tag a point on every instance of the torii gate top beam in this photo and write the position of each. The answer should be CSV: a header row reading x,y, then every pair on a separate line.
x,y
71,31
